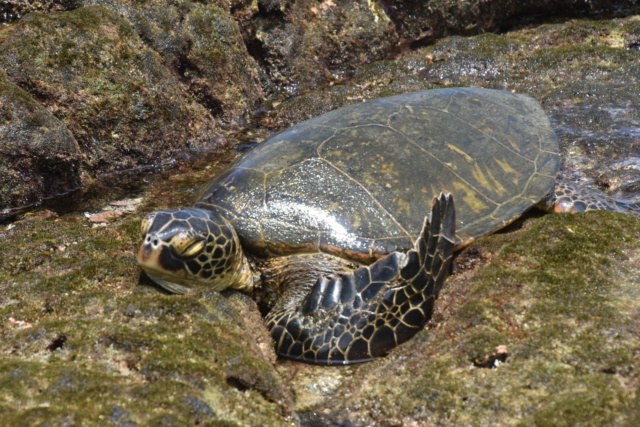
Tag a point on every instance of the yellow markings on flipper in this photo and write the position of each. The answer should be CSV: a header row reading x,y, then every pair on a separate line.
x,y
467,157
506,167
469,197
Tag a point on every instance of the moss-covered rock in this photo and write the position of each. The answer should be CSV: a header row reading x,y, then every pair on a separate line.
x,y
303,43
84,343
219,70
545,333
202,44
91,70
38,155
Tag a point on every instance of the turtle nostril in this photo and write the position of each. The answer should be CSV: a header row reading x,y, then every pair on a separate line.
x,y
155,242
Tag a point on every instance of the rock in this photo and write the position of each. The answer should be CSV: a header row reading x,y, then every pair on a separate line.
x,y
125,104
12,10
303,43
420,23
39,157
537,326
217,66
91,70
202,45
87,343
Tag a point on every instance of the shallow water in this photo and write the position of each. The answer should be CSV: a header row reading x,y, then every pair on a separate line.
x,y
131,183
600,146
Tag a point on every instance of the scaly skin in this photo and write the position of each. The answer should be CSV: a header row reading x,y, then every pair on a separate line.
x,y
354,317
362,315
183,248
570,197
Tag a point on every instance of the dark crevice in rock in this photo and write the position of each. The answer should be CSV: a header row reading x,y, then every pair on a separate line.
x,y
57,343
212,104
492,361
249,383
256,50
238,384
273,9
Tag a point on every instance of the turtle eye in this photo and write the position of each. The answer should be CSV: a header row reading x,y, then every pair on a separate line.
x,y
189,246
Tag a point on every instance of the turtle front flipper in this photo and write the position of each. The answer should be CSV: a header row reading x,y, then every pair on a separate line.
x,y
571,197
362,315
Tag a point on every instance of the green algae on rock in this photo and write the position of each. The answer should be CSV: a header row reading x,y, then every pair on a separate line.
x,y
39,157
75,326
202,44
92,71
561,299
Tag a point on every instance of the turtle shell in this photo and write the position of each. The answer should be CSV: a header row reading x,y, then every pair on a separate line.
x,y
358,181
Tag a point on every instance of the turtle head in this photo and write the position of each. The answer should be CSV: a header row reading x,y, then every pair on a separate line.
x,y
184,248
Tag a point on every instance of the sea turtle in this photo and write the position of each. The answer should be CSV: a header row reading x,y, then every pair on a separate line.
x,y
325,222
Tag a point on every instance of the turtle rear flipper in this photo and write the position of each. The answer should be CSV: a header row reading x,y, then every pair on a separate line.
x,y
362,315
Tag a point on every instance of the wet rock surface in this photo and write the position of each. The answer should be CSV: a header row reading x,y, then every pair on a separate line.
x,y
38,155
90,69
537,325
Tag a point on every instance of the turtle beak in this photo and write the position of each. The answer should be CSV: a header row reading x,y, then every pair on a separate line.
x,y
157,261
144,253
155,257
149,250
149,254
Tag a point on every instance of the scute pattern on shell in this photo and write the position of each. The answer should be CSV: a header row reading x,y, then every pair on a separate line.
x,y
357,182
